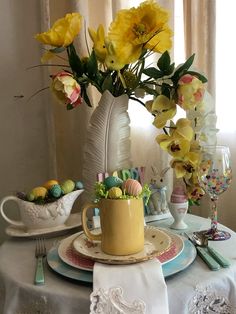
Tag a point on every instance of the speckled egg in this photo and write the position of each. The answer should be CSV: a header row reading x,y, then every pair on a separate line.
x,y
30,197
112,181
67,186
132,187
50,183
56,191
39,192
114,192
79,185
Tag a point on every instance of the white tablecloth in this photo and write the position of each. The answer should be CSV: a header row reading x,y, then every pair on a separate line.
x,y
194,290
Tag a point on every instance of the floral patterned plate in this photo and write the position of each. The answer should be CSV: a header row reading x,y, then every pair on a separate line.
x,y
178,264
71,257
156,242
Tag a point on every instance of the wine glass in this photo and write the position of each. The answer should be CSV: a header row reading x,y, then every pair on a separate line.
x,y
215,176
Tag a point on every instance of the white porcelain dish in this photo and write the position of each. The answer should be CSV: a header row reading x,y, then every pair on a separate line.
x,y
74,221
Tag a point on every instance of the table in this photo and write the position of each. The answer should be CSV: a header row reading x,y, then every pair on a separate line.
x,y
192,289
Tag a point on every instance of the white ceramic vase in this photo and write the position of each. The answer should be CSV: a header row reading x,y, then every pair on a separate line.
x,y
107,147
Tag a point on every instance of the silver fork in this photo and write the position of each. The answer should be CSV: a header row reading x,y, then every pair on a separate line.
x,y
40,253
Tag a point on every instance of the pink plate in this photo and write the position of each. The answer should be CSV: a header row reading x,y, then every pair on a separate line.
x,y
71,257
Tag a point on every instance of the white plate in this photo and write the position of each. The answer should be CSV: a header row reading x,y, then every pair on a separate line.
x,y
156,242
71,257
74,221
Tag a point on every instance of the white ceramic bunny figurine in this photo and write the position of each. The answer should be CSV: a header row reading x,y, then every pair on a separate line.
x,y
157,203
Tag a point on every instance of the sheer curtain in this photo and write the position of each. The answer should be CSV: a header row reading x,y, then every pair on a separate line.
x,y
225,108
39,138
69,128
205,24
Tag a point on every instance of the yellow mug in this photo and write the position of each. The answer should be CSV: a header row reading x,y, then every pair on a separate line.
x,y
122,225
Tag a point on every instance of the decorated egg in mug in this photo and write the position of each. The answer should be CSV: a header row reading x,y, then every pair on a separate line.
x,y
132,187
112,181
114,192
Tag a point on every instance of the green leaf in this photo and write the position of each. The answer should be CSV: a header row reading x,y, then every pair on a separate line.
x,y
193,202
69,107
107,84
149,90
165,90
92,65
153,73
141,70
170,70
198,75
85,97
74,60
164,61
183,69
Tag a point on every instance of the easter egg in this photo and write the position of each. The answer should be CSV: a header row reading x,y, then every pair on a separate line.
x,y
132,187
56,191
67,186
30,197
50,183
39,192
114,192
112,181
79,185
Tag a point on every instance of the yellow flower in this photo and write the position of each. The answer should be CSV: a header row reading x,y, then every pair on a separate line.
x,y
137,26
160,42
186,166
183,129
194,192
66,89
177,147
98,39
62,32
164,108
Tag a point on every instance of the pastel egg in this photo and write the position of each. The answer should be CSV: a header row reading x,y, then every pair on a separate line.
x,y
56,191
30,197
79,185
132,187
67,186
114,192
50,183
112,181
39,192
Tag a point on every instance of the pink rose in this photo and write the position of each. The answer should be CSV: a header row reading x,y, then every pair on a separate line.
x,y
66,89
190,92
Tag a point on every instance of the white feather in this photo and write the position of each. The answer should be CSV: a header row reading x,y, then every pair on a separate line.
x,y
107,147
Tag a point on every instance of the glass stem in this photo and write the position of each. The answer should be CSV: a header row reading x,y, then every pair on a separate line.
x,y
214,215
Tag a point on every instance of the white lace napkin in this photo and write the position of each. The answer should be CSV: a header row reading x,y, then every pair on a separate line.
x,y
136,288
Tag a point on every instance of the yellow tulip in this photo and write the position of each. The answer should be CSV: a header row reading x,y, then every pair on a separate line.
x,y
62,32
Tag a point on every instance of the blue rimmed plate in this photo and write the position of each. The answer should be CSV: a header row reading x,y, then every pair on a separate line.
x,y
176,265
